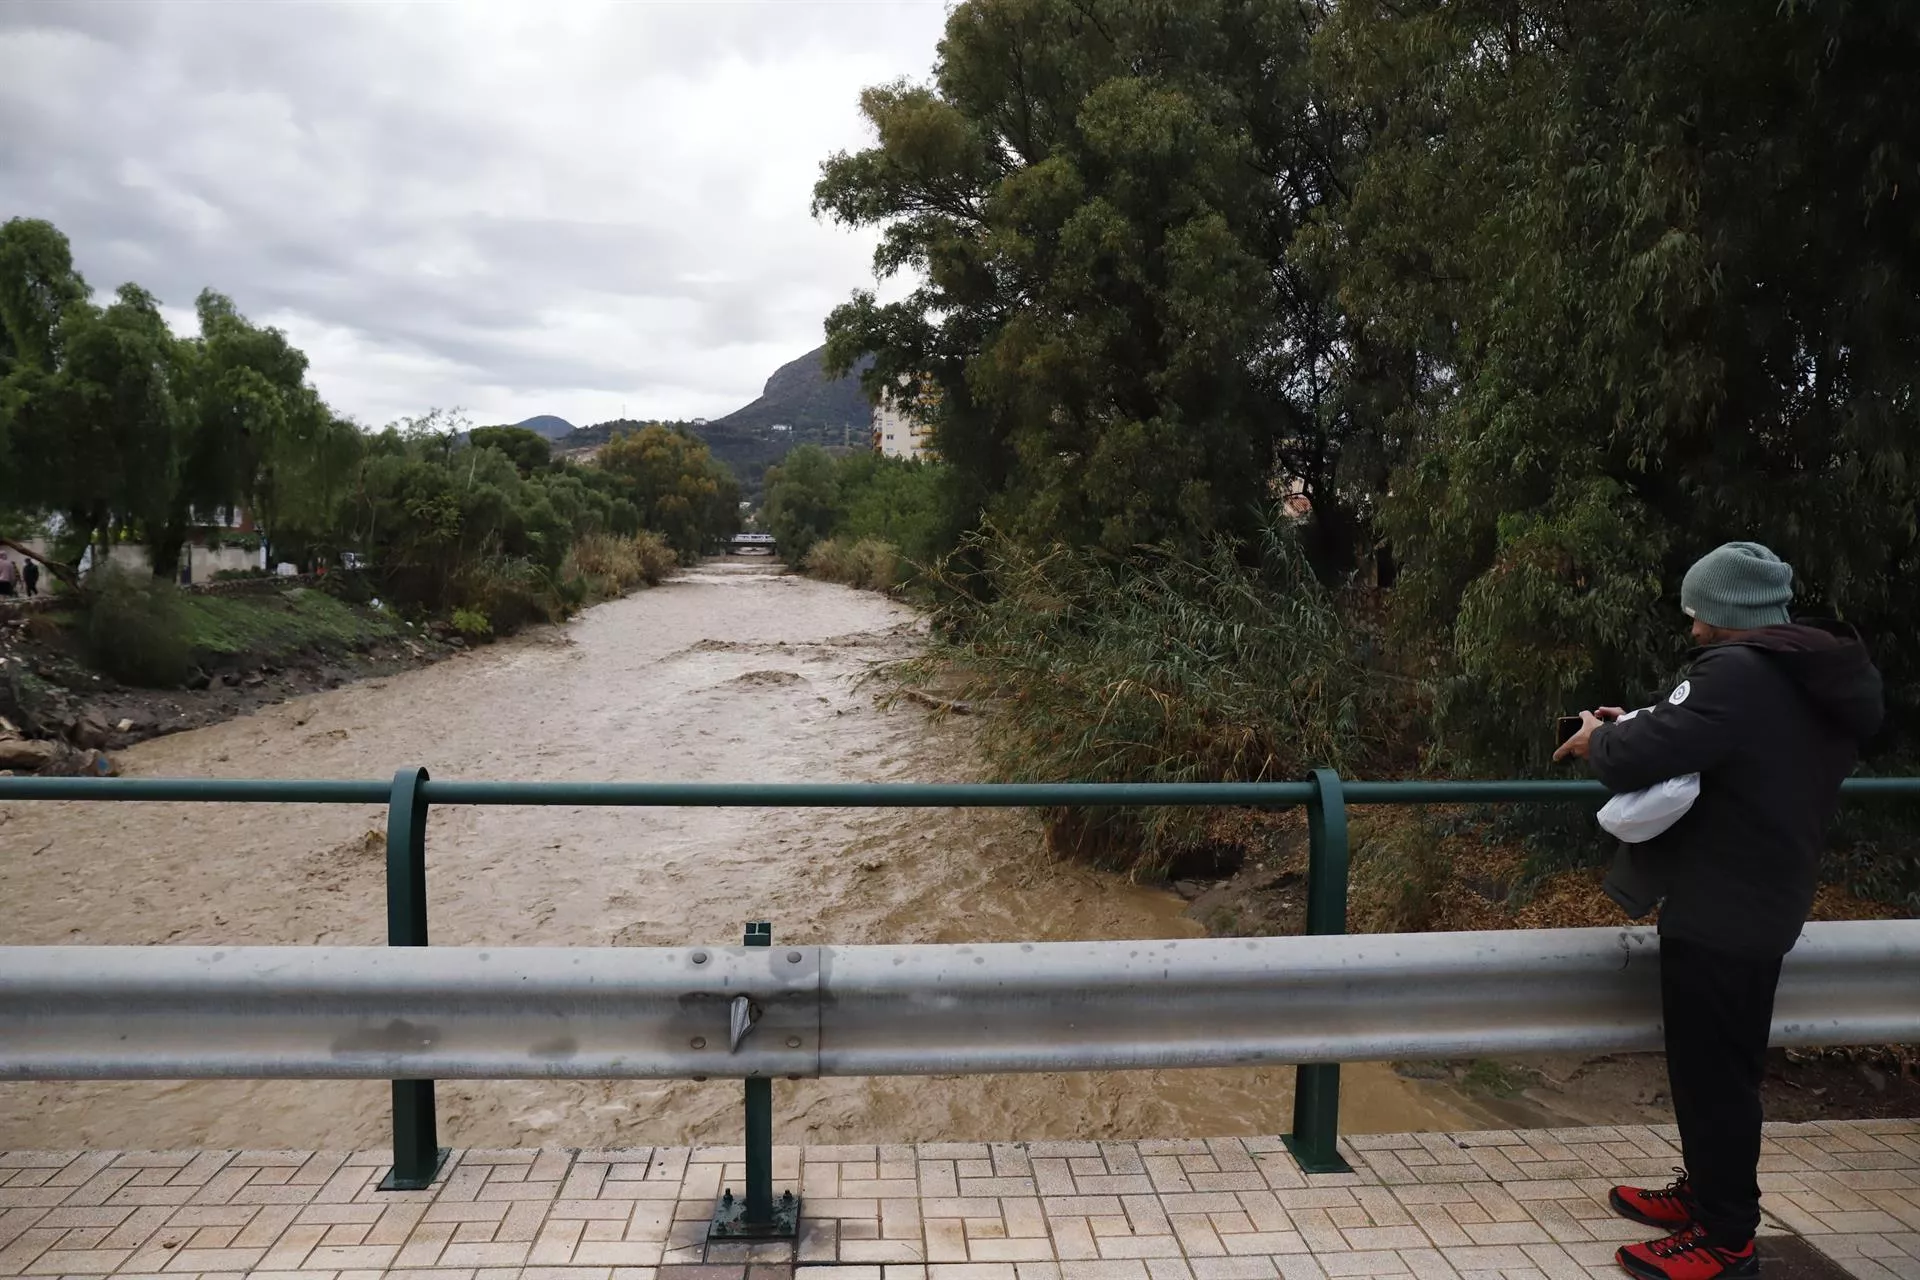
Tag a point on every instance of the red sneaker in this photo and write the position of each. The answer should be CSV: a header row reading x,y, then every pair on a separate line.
x,y
1686,1255
1670,1207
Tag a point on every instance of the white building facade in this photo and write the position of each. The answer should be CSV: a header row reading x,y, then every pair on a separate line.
x,y
899,433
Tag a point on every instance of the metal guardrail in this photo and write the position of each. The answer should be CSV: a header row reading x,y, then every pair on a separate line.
x,y
500,1013
417,1157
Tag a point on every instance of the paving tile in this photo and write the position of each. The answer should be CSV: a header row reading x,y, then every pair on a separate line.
x,y
872,1251
1011,1249
1493,1206
1073,1239
618,1253
1132,1246
1253,1268
1111,1269
989,1186
483,1255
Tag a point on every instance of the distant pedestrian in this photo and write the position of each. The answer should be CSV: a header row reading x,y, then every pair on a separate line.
x,y
9,572
30,574
1771,716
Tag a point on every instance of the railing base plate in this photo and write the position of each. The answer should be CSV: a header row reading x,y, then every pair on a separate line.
x,y
1311,1161
730,1220
394,1182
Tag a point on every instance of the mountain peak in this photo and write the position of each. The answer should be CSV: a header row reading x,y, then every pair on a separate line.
x,y
800,395
547,425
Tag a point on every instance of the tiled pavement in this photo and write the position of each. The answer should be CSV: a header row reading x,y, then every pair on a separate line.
x,y
1486,1206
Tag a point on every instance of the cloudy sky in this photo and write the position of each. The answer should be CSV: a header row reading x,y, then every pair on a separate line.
x,y
514,208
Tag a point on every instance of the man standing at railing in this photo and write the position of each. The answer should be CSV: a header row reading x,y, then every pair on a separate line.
x,y
1771,715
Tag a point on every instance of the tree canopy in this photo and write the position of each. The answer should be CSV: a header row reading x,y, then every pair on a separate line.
x,y
1652,273
1533,304
1100,197
803,500
680,490
116,425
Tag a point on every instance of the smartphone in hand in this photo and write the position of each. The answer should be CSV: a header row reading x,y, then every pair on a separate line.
x,y
1565,727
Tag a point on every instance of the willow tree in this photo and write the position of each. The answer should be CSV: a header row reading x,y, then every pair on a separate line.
x,y
255,433
1099,198
38,284
94,437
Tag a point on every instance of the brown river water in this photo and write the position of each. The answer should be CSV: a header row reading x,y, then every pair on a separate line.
x,y
734,671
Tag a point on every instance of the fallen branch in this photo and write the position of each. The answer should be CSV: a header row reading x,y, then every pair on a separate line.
x,y
66,573
938,704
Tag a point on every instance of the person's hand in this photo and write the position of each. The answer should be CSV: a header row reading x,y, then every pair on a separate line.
x,y
1609,714
1577,744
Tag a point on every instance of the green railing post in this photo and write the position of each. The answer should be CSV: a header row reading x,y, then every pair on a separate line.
x,y
757,1217
1315,1140
759,1121
417,1155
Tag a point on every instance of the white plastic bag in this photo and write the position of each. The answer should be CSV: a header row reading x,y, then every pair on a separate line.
x,y
1636,817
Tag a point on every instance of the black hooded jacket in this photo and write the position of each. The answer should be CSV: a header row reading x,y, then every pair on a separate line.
x,y
1772,723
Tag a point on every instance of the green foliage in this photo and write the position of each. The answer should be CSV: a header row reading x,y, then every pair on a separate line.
x,y
472,624
529,450
1399,866
274,625
37,286
803,501
1534,303
136,629
1873,852
1163,668
904,502
255,434
864,497
868,563
93,435
115,425
1101,197
1497,1079
677,487
468,528
1651,277
127,433
511,592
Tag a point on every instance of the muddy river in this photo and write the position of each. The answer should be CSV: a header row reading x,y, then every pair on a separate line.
x,y
733,671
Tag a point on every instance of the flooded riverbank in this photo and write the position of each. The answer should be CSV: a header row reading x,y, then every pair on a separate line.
x,y
734,671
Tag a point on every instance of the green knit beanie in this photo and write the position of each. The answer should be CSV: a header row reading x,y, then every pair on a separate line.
x,y
1741,586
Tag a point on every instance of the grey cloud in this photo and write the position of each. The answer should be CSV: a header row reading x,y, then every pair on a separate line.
x,y
488,205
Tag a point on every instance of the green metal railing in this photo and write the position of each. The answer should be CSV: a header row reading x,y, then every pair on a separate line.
x,y
417,1156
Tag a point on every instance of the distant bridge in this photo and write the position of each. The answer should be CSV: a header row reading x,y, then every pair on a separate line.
x,y
742,542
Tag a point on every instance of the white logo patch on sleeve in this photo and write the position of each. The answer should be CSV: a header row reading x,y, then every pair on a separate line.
x,y
1679,695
